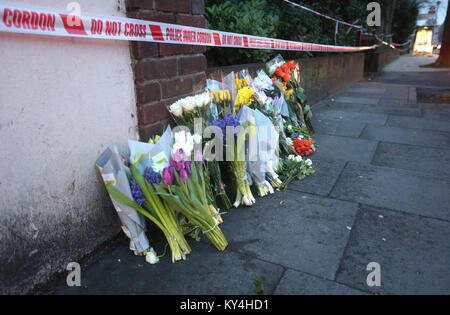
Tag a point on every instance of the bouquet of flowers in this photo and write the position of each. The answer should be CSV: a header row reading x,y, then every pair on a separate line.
x,y
267,98
184,190
243,192
223,99
148,203
187,143
287,73
300,139
294,167
114,172
185,110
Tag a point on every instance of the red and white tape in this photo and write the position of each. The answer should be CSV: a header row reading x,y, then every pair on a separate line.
x,y
18,18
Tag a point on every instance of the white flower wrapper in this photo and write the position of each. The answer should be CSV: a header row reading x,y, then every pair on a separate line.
x,y
113,172
155,154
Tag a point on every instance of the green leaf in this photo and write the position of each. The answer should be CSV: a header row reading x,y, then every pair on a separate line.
x,y
259,284
301,96
120,197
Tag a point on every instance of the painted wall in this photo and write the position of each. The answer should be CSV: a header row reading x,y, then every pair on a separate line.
x,y
62,102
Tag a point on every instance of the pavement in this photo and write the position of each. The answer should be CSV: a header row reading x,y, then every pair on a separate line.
x,y
380,194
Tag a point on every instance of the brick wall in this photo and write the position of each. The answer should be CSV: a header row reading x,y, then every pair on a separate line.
x,y
165,72
320,76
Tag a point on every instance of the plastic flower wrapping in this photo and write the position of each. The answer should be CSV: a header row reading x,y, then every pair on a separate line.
x,y
243,134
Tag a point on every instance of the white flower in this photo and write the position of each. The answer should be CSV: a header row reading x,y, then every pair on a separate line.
x,y
198,99
291,157
188,103
183,140
176,109
202,100
189,138
289,127
180,136
308,162
289,141
197,138
300,137
298,158
151,257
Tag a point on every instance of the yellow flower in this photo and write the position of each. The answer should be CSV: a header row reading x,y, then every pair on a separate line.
x,y
153,141
288,93
240,83
243,97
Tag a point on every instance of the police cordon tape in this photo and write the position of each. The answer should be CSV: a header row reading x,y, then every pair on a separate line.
x,y
322,15
404,44
27,19
393,45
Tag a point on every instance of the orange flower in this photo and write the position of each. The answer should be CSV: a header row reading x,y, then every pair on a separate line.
x,y
279,72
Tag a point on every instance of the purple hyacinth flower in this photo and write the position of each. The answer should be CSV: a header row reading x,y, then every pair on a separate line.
x,y
152,176
137,193
228,121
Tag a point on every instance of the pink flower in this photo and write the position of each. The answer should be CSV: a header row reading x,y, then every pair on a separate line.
x,y
179,155
178,165
184,175
198,156
187,166
167,175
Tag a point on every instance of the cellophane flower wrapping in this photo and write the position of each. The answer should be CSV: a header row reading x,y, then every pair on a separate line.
x,y
114,172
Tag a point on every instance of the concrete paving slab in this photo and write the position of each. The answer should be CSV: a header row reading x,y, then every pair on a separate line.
x,y
331,105
434,161
418,123
389,90
429,79
388,94
357,100
294,282
120,272
437,116
413,253
412,95
339,128
436,111
367,90
396,189
409,63
347,116
406,136
393,102
344,148
305,232
323,180
392,110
